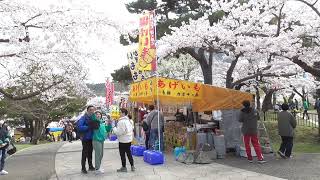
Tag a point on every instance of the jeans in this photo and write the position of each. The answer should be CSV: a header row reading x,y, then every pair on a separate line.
x,y
87,150
154,137
124,148
286,145
98,152
3,153
255,143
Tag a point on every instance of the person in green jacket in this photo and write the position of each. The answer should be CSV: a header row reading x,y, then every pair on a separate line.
x,y
99,136
306,108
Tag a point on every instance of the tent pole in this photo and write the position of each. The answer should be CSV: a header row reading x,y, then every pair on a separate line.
x,y
157,79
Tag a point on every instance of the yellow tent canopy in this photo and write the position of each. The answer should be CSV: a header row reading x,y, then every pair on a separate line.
x,y
202,97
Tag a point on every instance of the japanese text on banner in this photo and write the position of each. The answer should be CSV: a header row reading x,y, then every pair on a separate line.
x,y
142,89
137,75
147,40
179,89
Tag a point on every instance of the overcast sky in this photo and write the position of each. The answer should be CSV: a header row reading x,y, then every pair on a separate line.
x,y
114,55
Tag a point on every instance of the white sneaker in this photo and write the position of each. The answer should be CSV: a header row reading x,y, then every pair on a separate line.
x,y
3,172
99,171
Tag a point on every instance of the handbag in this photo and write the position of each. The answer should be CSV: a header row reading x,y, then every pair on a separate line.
x,y
94,124
11,149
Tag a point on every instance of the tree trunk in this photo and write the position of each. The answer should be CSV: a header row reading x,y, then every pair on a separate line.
x,y
258,98
290,100
205,63
267,102
207,73
274,99
37,131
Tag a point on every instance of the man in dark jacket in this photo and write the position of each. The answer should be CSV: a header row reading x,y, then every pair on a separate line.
x,y
249,118
286,125
154,127
86,136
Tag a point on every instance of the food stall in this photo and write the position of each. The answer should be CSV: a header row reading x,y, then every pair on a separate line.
x,y
196,101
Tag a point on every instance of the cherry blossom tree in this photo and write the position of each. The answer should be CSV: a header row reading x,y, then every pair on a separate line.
x,y
229,37
44,54
180,67
45,47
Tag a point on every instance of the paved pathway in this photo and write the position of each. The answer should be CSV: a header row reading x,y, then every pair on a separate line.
x,y
34,163
68,167
301,167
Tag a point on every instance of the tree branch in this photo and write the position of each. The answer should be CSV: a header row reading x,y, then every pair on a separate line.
x,y
8,55
312,70
296,91
33,17
311,6
26,96
262,75
279,21
4,40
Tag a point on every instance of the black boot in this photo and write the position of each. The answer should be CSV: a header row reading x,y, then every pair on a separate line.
x,y
84,171
91,168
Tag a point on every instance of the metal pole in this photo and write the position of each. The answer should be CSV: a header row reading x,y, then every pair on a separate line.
x,y
157,77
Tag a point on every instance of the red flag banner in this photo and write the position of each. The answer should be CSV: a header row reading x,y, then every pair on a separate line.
x,y
109,93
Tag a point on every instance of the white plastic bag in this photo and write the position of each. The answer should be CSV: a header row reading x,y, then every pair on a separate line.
x,y
74,135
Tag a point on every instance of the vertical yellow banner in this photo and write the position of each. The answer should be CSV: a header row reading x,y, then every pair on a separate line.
x,y
147,42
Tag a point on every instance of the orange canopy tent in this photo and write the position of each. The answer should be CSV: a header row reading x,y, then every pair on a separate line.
x,y
202,97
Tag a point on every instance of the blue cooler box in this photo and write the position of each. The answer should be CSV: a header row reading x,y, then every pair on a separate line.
x,y
153,157
145,155
137,150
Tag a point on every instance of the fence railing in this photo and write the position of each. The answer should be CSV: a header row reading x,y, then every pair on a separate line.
x,y
309,119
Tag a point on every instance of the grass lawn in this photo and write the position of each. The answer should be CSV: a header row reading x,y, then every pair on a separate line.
x,y
306,139
23,146
301,147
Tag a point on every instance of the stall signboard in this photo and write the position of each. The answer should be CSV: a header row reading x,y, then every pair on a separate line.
x,y
147,42
142,89
136,74
167,89
179,88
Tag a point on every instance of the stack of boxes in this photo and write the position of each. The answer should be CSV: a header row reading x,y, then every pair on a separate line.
x,y
175,135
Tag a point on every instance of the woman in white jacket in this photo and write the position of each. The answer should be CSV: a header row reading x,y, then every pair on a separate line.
x,y
124,131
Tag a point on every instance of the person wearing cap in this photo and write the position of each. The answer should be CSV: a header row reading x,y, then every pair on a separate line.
x,y
4,143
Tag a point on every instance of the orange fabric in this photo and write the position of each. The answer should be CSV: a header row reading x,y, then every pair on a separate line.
x,y
202,97
216,98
